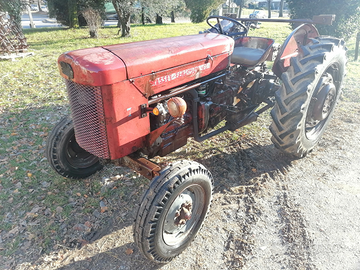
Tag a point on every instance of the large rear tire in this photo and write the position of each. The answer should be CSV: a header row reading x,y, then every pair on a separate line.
x,y
306,100
172,210
65,155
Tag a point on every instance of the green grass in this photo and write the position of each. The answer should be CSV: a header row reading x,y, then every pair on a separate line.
x,y
32,101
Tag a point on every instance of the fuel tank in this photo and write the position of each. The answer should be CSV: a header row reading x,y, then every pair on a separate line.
x,y
109,85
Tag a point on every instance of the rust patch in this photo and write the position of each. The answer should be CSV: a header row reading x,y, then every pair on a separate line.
x,y
143,166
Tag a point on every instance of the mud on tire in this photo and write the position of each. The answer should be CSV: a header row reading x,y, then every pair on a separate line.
x,y
64,154
158,229
306,100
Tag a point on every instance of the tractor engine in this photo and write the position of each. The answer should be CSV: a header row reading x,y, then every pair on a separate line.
x,y
230,95
212,100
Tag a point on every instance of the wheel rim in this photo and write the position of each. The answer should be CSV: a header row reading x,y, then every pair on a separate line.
x,y
178,222
77,157
321,105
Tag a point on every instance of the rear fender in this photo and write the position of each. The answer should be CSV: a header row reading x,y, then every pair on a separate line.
x,y
292,46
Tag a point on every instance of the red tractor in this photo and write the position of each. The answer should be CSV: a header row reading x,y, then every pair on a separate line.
x,y
131,102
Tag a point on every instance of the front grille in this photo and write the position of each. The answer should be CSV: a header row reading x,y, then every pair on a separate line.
x,y
89,120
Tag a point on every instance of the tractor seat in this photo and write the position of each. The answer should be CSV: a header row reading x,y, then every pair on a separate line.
x,y
246,56
251,51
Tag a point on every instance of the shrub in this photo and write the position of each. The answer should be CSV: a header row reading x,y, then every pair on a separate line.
x,y
201,9
347,14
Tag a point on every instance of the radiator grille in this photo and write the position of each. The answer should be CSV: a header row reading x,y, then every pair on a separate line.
x,y
89,119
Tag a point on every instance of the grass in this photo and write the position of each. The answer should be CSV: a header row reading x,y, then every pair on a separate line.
x,y
32,101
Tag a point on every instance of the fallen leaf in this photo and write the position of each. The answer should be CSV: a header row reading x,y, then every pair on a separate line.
x,y
129,251
79,194
103,209
31,215
29,174
87,224
254,170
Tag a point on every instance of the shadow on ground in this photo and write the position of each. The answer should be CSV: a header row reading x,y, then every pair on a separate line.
x,y
65,224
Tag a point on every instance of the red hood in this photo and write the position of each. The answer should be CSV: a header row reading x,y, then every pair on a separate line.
x,y
111,64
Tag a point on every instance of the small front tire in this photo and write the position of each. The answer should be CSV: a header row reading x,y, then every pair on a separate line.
x,y
173,210
65,155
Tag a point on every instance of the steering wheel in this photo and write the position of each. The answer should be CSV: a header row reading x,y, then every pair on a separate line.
x,y
220,29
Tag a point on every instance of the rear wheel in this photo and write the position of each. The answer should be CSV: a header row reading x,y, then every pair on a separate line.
x,y
65,155
307,98
173,210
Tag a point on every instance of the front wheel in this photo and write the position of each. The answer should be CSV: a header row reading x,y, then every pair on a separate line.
x,y
65,155
173,210
306,100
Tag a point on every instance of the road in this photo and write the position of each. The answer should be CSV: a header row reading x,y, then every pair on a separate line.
x,y
42,19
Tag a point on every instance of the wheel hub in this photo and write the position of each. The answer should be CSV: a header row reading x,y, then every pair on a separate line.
x,y
183,214
324,101
77,156
179,213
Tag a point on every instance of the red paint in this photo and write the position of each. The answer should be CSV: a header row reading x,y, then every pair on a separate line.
x,y
126,129
144,83
145,57
95,66
292,46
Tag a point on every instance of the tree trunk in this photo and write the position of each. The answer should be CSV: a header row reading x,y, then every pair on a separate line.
x,y
125,24
172,16
93,33
281,9
142,16
73,15
123,20
117,12
39,5
32,25
269,8
158,19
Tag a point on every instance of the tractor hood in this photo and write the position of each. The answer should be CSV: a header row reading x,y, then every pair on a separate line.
x,y
151,61
151,56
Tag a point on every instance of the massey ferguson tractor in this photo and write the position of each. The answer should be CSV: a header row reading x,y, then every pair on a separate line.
x,y
132,102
